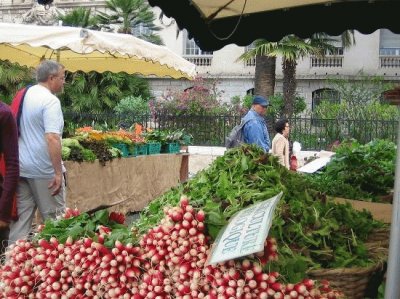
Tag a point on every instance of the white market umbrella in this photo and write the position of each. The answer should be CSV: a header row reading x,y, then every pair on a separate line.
x,y
87,50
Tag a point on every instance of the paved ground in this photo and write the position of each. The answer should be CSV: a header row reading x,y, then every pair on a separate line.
x,y
202,156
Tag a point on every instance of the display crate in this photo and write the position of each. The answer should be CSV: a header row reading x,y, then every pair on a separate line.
x,y
171,148
140,150
153,148
122,147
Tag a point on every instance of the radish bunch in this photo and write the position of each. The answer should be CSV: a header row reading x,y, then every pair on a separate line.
x,y
170,262
81,269
69,213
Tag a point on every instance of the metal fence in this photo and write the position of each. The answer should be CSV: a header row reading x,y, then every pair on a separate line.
x,y
312,133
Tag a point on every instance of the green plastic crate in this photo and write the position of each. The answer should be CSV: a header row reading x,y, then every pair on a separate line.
x,y
131,149
140,150
187,140
171,148
122,147
153,148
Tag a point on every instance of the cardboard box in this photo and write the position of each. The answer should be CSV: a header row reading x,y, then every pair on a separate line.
x,y
380,211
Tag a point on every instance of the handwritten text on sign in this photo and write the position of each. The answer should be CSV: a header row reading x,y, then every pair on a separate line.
x,y
246,232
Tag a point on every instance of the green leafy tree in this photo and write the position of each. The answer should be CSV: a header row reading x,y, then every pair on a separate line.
x,y
94,92
132,109
132,14
360,114
277,107
12,78
202,98
133,104
359,99
79,17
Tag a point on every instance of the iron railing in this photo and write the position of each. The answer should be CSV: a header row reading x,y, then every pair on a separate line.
x,y
211,130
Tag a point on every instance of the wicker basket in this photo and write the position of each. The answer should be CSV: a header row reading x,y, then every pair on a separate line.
x,y
352,282
380,235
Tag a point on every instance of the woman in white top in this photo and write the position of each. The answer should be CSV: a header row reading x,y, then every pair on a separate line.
x,y
280,143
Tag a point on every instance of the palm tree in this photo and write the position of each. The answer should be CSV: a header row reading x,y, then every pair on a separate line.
x,y
95,93
132,14
265,72
290,48
12,78
78,17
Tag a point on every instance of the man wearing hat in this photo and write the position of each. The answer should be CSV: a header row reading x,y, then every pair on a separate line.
x,y
255,130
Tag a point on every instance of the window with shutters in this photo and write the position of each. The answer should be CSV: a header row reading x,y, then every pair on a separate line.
x,y
389,49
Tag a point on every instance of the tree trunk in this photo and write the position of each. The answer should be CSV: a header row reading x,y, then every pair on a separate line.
x,y
289,86
264,81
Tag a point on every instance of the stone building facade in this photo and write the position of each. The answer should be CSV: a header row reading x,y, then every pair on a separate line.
x,y
376,54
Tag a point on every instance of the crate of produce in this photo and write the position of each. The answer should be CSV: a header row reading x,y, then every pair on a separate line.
x,y
140,150
122,147
153,148
171,148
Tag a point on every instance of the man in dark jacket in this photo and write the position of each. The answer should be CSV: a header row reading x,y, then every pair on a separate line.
x,y
9,169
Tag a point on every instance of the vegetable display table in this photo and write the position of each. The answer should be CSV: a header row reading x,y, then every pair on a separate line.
x,y
139,180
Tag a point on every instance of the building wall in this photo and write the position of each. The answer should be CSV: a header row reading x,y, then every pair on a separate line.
x,y
228,87
233,76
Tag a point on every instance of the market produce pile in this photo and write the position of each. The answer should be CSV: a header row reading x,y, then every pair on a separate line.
x,y
169,261
89,144
358,171
164,254
311,231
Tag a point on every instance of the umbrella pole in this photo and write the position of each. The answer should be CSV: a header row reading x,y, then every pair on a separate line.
x,y
392,289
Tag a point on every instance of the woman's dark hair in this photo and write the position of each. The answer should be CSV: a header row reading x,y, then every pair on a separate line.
x,y
280,125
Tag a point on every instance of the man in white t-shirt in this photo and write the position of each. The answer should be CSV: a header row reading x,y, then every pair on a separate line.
x,y
41,170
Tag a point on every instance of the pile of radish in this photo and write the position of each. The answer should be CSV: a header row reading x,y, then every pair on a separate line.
x,y
170,261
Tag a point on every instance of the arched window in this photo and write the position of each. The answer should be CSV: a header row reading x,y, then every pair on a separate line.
x,y
324,94
250,91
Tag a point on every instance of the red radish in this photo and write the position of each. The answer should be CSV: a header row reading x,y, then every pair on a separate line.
x,y
200,216
184,202
300,288
308,283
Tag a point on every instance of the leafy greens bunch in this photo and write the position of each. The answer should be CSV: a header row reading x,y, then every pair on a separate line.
x,y
359,171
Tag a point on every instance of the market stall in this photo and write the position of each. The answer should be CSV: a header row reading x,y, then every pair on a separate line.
x,y
136,179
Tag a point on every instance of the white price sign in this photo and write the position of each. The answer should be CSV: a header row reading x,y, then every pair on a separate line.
x,y
245,233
